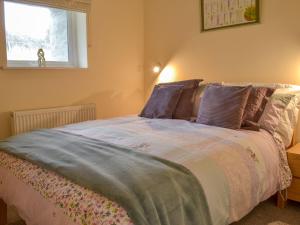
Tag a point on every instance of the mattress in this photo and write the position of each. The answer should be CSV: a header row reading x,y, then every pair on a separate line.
x,y
237,169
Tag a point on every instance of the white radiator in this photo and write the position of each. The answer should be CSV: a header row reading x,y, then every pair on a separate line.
x,y
25,121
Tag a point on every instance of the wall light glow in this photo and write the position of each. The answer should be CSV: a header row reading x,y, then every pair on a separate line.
x,y
167,75
156,69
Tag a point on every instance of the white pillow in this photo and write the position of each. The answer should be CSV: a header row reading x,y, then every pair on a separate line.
x,y
280,116
270,85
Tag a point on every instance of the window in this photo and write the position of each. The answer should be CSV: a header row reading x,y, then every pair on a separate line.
x,y
60,33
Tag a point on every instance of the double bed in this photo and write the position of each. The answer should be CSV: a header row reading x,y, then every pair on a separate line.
x,y
237,170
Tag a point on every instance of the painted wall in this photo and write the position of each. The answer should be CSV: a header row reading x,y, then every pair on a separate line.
x,y
169,32
267,52
114,80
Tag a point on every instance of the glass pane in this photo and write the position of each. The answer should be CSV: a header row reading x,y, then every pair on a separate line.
x,y
29,28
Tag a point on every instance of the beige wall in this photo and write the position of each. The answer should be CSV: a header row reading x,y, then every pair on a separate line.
x,y
170,34
114,80
266,52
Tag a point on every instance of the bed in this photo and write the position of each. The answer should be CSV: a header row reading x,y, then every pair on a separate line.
x,y
236,168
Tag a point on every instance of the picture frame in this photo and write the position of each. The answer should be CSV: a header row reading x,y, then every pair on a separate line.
x,y
217,14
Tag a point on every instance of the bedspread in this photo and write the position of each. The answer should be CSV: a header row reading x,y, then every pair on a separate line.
x,y
237,169
152,190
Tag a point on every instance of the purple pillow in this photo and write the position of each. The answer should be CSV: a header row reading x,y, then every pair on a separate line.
x,y
184,108
162,102
223,106
256,103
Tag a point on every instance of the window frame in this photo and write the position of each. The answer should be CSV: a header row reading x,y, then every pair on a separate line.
x,y
72,36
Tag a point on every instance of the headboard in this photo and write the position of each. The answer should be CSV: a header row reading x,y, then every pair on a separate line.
x,y
281,88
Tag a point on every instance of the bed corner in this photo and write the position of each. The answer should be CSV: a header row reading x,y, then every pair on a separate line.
x,y
281,199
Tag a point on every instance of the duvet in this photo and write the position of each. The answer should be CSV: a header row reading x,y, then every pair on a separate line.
x,y
237,170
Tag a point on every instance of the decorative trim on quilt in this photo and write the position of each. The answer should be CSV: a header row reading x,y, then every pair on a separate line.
x,y
81,205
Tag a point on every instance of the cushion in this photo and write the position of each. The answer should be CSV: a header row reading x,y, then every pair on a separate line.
x,y
280,117
256,103
223,106
184,108
197,99
162,102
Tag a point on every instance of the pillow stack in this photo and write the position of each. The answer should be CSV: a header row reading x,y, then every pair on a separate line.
x,y
233,107
172,100
275,111
229,106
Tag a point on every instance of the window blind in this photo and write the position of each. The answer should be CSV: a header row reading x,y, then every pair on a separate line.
x,y
75,5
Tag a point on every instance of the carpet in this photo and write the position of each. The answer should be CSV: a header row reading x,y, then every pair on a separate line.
x,y
268,214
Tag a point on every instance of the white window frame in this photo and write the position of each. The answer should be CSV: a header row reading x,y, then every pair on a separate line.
x,y
74,5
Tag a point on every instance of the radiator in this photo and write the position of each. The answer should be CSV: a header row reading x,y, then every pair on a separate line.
x,y
25,121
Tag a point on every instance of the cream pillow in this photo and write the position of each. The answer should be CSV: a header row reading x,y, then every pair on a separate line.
x,y
280,117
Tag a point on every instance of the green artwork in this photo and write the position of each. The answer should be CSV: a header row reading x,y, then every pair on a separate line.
x,y
227,13
250,13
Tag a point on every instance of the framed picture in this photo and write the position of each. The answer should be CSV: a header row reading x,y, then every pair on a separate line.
x,y
227,13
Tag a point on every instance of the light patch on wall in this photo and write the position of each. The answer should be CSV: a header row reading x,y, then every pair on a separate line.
x,y
297,73
167,75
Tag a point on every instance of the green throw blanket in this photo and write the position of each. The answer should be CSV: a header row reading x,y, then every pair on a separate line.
x,y
152,190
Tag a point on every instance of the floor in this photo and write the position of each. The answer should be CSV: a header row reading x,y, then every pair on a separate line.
x,y
267,212
264,214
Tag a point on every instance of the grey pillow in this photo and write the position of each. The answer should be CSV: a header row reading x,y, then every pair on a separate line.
x,y
223,106
184,108
162,102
